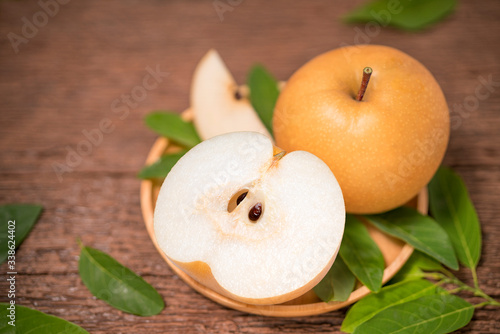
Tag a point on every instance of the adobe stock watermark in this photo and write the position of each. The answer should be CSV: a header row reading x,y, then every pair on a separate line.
x,y
120,108
324,245
222,6
30,28
219,180
470,104
425,148
10,236
216,182
372,29
418,157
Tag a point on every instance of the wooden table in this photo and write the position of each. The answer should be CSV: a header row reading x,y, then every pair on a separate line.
x,y
71,73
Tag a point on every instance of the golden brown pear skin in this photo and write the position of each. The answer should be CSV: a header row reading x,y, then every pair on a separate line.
x,y
202,273
382,149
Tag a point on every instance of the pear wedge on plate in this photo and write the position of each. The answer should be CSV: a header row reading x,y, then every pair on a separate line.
x,y
218,104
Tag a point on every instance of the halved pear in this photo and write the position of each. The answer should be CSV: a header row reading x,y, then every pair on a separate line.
x,y
248,220
218,104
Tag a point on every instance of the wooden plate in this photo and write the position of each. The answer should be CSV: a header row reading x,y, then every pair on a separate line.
x,y
395,252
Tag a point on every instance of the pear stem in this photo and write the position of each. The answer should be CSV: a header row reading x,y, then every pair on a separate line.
x,y
367,73
279,155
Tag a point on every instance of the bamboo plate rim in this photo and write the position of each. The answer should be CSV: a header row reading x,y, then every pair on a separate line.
x,y
147,194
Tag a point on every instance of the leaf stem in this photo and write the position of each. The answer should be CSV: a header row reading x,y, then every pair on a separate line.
x,y
474,277
436,276
448,277
476,291
480,293
456,290
481,304
447,272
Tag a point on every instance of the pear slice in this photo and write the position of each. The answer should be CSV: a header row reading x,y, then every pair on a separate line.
x,y
249,221
219,105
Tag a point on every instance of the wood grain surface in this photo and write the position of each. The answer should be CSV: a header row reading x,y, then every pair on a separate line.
x,y
66,78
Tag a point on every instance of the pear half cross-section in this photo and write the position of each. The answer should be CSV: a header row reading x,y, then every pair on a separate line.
x,y
249,221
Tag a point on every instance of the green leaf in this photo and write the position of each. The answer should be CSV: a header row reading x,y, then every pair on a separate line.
x,y
420,231
403,14
338,283
440,313
117,285
161,167
264,93
413,268
453,210
361,254
28,320
389,296
12,235
171,125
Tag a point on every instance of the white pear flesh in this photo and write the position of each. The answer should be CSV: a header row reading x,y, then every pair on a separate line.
x,y
280,256
215,108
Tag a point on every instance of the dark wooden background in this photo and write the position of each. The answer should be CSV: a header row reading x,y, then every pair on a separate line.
x,y
65,78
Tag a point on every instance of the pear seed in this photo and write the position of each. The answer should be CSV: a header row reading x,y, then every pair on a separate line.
x,y
255,212
241,198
